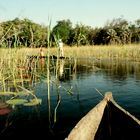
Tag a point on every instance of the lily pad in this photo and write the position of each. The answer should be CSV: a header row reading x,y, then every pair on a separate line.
x,y
33,102
16,101
5,111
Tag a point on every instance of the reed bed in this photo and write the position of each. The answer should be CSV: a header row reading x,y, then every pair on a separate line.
x,y
129,52
17,67
14,63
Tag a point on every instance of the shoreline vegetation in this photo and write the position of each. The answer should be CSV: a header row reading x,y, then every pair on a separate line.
x,y
19,73
24,32
17,69
126,52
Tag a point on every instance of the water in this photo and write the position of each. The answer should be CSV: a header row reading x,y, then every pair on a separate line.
x,y
78,91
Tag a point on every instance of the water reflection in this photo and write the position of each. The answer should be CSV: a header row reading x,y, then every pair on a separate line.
x,y
119,70
61,69
72,93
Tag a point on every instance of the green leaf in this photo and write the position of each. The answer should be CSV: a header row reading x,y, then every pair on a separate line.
x,y
16,101
33,102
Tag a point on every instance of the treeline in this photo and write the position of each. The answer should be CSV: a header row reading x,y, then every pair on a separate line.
x,y
18,33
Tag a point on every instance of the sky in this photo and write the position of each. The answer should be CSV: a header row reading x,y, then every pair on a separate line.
x,y
94,13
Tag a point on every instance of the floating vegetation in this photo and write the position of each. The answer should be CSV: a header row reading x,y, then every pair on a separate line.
x,y
25,102
4,111
20,93
33,102
16,101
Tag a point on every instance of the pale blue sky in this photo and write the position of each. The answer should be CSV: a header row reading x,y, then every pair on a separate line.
x,y
88,12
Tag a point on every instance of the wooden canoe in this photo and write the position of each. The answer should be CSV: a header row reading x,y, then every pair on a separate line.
x,y
106,121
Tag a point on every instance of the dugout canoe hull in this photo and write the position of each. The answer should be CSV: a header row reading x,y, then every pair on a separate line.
x,y
106,121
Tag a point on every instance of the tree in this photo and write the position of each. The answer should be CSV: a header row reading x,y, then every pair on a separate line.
x,y
121,27
62,30
101,37
112,37
136,31
80,35
24,32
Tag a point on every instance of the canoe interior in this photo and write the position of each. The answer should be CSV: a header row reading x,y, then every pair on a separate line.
x,y
117,125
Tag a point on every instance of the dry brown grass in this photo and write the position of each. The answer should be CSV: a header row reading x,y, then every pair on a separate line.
x,y
13,59
126,51
130,52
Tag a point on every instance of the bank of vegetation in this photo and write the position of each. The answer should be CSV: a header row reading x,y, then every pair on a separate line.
x,y
22,39
26,33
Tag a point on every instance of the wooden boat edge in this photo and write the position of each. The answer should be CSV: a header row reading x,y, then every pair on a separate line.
x,y
80,133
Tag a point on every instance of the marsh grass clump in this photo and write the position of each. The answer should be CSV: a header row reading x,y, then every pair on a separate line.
x,y
127,52
15,62
17,67
20,71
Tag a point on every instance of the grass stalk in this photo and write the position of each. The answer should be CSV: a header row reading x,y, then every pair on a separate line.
x,y
48,74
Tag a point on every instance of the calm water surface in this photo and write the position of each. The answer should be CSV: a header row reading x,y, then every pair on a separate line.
x,y
76,89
